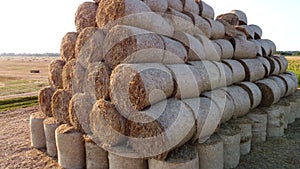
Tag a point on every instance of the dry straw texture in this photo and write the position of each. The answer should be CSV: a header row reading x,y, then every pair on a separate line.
x,y
45,99
37,134
67,46
55,73
86,16
50,125
60,105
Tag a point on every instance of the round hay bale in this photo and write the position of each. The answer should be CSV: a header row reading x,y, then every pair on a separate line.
x,y
231,138
272,47
207,115
211,153
275,66
188,81
267,65
157,6
270,92
191,6
238,71
55,73
206,10
79,78
67,74
86,16
83,37
254,69
136,86
275,124
259,125
223,101
37,134
230,31
45,99
126,44
253,91
209,49
241,15
98,80
217,48
293,110
118,162
283,63
259,52
96,157
247,30
195,48
281,84
175,52
285,104
257,31
176,4
50,125
106,124
70,147
230,18
218,29
244,48
80,107
226,48
245,125
67,46
241,100
202,24
60,105
185,156
294,77
289,83
266,48
226,74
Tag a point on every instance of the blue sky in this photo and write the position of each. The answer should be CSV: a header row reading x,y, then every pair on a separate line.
x,y
34,26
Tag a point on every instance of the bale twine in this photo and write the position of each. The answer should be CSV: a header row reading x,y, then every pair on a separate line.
x,y
211,153
70,147
86,16
195,48
207,115
83,37
176,4
238,71
175,52
253,91
242,106
224,102
293,110
259,125
157,6
98,80
45,99
226,48
289,83
80,107
188,81
259,52
209,49
286,110
118,162
126,44
241,15
267,65
275,124
244,48
55,73
281,84
254,69
96,157
165,126
60,105
136,86
270,92
185,156
245,125
67,46
231,138
202,24
247,30
50,125
206,10
191,6
67,74
283,63
106,124
257,31
217,29
37,134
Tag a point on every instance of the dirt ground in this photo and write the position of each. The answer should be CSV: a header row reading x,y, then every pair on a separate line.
x,y
15,150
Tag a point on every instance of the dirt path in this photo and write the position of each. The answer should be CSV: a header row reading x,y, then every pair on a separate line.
x,y
15,150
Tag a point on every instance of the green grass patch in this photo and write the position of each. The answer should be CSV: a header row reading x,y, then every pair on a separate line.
x,y
21,86
294,66
11,104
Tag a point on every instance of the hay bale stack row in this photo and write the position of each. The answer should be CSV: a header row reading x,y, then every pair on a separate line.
x,y
149,79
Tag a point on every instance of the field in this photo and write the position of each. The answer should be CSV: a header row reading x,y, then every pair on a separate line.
x,y
294,66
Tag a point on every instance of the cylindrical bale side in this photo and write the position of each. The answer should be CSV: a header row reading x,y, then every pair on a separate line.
x,y
253,91
259,125
67,46
270,92
281,84
50,125
86,16
45,98
275,66
55,73
118,162
241,15
226,48
283,63
293,110
257,31
207,11
96,157
294,77
241,100
176,4
209,49
286,110
60,105
226,77
202,24
275,124
254,69
231,138
175,52
157,6
259,52
67,74
238,71
185,156
217,48
211,153
190,6
246,29
244,48
231,18
37,134
289,83
267,65
245,125
70,147
84,36
218,29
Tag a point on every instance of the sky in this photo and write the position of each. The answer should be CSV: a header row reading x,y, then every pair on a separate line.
x,y
37,26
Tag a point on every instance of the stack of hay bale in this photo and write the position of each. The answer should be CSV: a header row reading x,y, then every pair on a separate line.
x,y
153,80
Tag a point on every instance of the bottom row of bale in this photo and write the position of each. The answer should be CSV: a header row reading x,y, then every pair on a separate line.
x,y
222,150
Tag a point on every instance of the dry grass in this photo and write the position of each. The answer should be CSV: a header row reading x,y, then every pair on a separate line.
x,y
294,66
